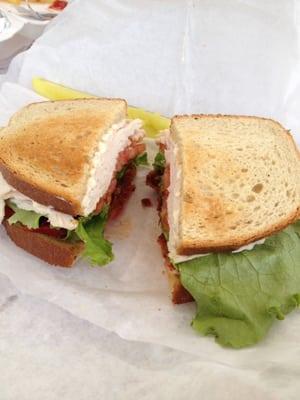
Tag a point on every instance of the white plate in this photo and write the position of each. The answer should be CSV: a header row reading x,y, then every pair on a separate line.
x,y
11,9
16,25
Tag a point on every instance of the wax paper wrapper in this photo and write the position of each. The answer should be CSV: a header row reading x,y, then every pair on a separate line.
x,y
234,57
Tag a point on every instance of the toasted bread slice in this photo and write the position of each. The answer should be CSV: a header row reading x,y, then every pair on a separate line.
x,y
47,148
53,251
240,181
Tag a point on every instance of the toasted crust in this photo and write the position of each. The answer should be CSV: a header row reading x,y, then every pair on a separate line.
x,y
189,249
36,194
46,149
53,251
211,219
179,294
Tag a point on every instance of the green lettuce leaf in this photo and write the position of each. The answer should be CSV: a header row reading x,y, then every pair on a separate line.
x,y
121,173
142,159
240,295
90,230
72,236
27,218
159,162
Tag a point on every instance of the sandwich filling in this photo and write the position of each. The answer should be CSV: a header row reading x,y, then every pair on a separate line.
x,y
110,184
57,219
104,161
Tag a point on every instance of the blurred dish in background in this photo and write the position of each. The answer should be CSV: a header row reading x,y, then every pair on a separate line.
x,y
43,10
21,22
4,22
56,4
33,15
10,25
31,1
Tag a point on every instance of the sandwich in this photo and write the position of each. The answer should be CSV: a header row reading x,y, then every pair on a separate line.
x,y
66,168
229,207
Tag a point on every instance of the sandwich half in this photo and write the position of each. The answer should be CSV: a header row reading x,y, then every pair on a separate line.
x,y
66,167
229,201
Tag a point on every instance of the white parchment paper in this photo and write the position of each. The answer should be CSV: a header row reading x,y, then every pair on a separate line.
x,y
239,57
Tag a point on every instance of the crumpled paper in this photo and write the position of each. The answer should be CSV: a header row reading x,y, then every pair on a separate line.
x,y
238,57
47,353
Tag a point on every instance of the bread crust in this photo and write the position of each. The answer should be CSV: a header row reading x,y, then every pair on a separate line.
x,y
54,251
187,247
38,195
88,99
197,116
179,294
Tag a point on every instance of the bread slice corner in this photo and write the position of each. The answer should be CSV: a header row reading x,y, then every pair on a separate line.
x,y
54,251
240,181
